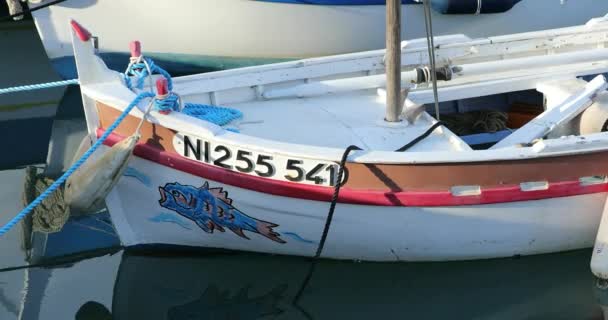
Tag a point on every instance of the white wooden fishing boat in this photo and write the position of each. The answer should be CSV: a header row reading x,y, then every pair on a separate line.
x,y
201,34
268,187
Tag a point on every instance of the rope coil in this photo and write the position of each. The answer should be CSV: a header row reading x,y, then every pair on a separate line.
x,y
141,68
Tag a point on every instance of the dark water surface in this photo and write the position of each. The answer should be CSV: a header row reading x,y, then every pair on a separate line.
x,y
81,272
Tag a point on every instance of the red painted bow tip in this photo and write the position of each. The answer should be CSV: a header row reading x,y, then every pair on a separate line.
x,y
162,86
81,32
135,47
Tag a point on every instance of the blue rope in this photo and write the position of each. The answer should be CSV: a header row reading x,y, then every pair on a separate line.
x,y
170,103
39,86
213,114
140,72
75,166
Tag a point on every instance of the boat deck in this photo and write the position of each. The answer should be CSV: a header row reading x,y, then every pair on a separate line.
x,y
339,121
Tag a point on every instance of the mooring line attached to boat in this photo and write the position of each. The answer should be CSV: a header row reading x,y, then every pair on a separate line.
x,y
39,86
168,101
141,68
76,165
328,220
334,201
421,137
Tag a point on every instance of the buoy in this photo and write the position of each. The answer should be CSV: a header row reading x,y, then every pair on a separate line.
x,y
599,259
87,188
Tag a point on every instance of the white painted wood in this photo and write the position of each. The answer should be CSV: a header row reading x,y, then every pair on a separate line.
x,y
364,232
556,92
537,62
551,118
536,43
337,86
529,64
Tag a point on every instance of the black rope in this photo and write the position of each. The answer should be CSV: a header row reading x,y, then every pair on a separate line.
x,y
328,220
332,207
421,137
26,11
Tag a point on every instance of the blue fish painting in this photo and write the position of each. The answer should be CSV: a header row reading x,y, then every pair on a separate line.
x,y
211,209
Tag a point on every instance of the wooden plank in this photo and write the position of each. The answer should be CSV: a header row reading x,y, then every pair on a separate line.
x,y
552,118
452,48
393,60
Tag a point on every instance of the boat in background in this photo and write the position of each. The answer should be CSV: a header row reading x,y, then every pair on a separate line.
x,y
192,36
416,192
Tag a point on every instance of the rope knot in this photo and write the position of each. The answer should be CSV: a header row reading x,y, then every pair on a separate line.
x,y
165,101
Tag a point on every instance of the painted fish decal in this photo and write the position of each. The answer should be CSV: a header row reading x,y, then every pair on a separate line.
x,y
211,209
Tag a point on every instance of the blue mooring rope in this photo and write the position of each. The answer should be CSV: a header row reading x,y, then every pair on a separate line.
x,y
170,103
214,114
140,71
75,166
39,86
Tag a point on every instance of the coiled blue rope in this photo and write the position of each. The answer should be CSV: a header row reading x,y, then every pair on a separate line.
x,y
140,71
75,166
170,103
39,86
213,114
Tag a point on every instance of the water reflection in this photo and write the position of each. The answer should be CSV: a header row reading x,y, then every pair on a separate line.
x,y
248,286
252,286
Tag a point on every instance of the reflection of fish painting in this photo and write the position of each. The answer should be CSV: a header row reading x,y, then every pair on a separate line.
x,y
215,304
211,209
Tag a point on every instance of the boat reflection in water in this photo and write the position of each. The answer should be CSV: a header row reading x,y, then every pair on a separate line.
x,y
250,286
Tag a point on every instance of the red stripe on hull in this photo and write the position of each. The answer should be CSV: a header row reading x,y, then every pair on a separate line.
x,y
361,197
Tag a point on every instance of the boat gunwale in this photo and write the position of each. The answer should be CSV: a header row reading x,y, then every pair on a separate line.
x,y
366,196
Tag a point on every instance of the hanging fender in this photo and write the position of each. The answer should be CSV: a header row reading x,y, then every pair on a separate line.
x,y
473,6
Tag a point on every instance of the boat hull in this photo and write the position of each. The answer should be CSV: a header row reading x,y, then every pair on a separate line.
x,y
358,232
237,33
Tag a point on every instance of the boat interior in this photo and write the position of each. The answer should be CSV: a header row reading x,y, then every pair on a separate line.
x,y
502,92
